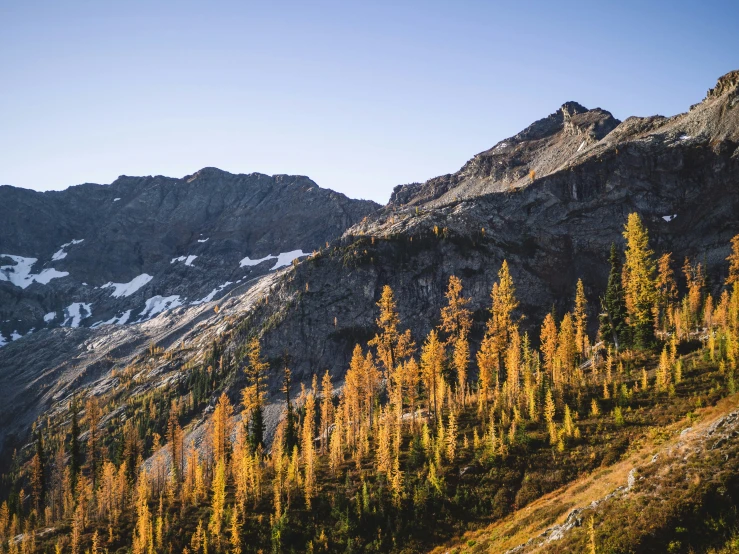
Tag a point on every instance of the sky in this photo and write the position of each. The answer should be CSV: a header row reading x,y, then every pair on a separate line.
x,y
359,96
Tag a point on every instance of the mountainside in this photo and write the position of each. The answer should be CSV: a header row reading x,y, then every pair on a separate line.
x,y
124,252
144,299
196,238
680,174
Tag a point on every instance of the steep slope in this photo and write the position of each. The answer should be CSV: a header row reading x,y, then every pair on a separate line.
x,y
680,174
121,252
188,346
40,373
664,492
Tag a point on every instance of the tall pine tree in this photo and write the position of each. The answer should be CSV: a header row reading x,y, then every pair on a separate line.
x,y
74,448
613,327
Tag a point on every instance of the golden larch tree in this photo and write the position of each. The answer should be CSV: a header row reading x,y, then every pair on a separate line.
x,y
309,450
666,291
221,427
327,409
93,413
432,359
638,280
549,337
392,345
567,348
733,259
580,316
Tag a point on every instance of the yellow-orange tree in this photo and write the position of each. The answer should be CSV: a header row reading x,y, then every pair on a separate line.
x,y
638,281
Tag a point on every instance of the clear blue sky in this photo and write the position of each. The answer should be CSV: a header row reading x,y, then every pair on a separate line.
x,y
359,96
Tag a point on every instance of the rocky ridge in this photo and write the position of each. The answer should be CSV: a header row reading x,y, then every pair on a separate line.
x,y
124,252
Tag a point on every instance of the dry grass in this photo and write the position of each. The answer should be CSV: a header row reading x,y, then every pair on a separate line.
x,y
553,508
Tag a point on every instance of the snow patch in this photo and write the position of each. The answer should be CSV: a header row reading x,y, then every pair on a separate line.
x,y
187,259
116,199
212,294
121,320
286,258
685,137
61,253
283,259
127,289
157,304
124,318
16,335
3,342
50,317
204,240
248,262
669,218
501,145
20,273
75,313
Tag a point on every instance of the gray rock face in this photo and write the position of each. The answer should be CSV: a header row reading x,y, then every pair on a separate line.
x,y
181,240
541,148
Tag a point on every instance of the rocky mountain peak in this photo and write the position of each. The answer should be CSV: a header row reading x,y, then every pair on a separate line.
x,y
726,84
543,147
571,108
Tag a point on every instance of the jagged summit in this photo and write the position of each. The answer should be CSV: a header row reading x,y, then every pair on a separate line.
x,y
542,148
726,84
569,117
573,135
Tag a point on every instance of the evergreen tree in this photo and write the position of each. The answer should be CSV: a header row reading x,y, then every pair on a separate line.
x,y
291,433
253,394
93,413
74,448
613,326
38,480
174,437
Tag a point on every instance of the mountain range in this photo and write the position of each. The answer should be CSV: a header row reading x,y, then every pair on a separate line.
x,y
92,276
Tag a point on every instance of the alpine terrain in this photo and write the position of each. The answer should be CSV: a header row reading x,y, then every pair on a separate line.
x,y
537,353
